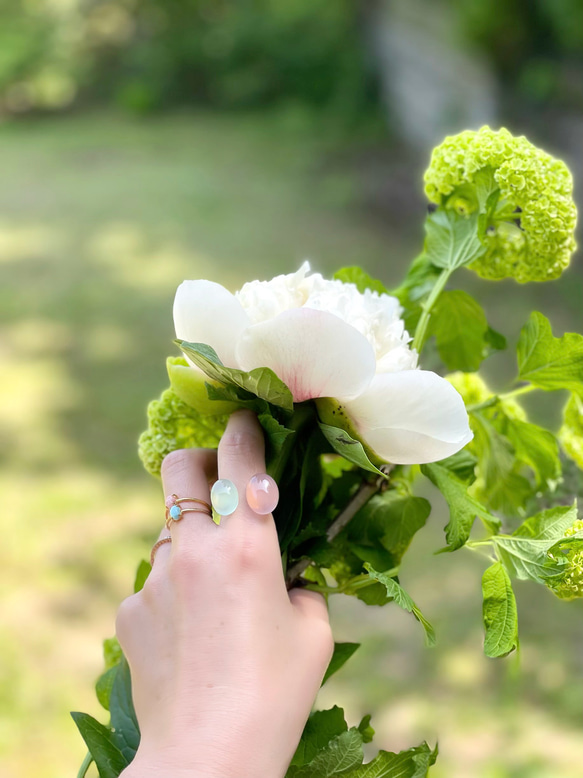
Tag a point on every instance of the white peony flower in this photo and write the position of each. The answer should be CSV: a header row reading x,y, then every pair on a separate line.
x,y
325,339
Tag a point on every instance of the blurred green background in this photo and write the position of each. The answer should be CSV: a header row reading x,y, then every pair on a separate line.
x,y
147,141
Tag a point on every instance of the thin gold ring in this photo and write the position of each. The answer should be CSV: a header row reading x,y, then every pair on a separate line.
x,y
175,512
156,546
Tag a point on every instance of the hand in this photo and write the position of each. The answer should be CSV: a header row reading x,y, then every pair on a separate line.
x,y
225,662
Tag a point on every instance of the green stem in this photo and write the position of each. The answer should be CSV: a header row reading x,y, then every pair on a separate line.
x,y
87,762
495,399
428,306
302,414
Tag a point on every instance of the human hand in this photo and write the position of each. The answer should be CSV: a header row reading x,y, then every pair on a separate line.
x,y
225,662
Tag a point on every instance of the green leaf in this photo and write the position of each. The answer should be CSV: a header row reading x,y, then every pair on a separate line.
x,y
417,284
499,612
391,521
366,730
403,600
142,574
495,341
104,686
356,275
463,508
261,381
500,486
192,387
548,362
108,758
452,240
527,558
343,753
321,727
348,447
126,733
463,464
275,433
413,763
460,328
548,525
536,447
112,653
341,655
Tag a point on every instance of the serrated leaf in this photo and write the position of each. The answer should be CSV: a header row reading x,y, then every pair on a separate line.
x,y
348,447
527,558
460,328
403,600
108,758
321,727
126,733
463,509
548,525
142,574
341,655
261,381
548,362
276,434
342,754
499,612
356,275
413,763
463,464
452,241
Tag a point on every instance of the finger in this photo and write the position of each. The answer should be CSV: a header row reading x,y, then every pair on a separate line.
x,y
241,455
311,605
188,472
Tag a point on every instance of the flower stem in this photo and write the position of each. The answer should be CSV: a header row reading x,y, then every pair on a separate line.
x,y
363,495
495,399
428,306
86,764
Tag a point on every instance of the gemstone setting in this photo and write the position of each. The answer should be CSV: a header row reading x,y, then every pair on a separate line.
x,y
262,494
224,497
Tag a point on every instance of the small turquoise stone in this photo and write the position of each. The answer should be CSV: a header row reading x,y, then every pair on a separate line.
x,y
175,512
224,497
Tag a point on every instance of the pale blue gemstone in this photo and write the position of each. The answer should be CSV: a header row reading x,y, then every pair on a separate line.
x,y
224,497
175,512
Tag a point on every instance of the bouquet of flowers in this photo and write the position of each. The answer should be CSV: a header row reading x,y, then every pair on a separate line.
x,y
332,368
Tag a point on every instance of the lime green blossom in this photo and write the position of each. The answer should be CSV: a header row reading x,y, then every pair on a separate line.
x,y
173,424
474,391
571,433
530,234
570,585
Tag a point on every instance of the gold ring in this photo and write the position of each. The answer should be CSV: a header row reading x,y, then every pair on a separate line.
x,y
174,510
156,546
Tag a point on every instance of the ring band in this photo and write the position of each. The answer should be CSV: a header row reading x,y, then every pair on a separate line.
x,y
156,546
174,510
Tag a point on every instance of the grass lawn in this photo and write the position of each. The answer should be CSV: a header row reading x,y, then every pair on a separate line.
x,y
100,219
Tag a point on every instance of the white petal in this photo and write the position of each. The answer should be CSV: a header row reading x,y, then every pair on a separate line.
x,y
206,312
315,353
412,417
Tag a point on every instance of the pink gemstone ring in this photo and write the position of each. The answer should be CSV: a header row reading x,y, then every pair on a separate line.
x,y
262,494
175,511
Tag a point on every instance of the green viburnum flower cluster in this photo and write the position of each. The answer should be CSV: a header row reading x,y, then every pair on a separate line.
x,y
475,390
526,194
173,424
570,585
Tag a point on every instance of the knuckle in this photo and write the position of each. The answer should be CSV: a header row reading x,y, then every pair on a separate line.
x,y
126,615
184,564
178,462
240,443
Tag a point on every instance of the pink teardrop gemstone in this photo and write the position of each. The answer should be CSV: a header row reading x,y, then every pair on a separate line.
x,y
262,494
170,500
